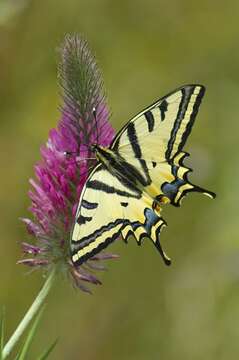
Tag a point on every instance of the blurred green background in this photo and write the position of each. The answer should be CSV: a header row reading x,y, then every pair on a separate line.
x,y
145,49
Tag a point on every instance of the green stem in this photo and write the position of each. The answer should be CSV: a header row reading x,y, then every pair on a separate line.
x,y
32,311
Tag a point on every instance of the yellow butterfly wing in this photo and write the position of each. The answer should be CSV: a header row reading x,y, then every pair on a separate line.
x,y
108,208
149,148
161,129
153,141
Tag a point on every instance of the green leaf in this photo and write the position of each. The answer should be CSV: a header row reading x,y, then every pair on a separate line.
x,y
48,351
2,322
30,336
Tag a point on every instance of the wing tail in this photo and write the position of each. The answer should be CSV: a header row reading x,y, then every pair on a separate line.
x,y
165,258
153,225
149,228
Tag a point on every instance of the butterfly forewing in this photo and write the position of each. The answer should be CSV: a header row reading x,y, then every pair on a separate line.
x,y
153,140
160,131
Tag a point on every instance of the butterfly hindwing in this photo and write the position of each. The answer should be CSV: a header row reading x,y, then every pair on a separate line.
x,y
166,182
108,209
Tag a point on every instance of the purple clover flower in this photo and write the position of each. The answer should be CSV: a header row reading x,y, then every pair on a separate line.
x,y
66,161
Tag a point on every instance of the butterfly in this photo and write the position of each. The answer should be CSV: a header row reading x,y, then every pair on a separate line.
x,y
136,175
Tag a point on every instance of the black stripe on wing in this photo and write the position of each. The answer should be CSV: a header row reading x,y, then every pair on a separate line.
x,y
78,246
125,172
86,240
130,175
187,92
88,205
100,186
163,107
150,120
192,117
133,139
83,219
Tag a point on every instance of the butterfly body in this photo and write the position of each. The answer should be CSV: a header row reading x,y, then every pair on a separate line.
x,y
140,172
121,169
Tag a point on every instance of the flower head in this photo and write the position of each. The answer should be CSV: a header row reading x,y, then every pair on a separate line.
x,y
66,161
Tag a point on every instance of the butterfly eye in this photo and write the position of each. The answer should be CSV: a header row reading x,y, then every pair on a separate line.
x,y
93,147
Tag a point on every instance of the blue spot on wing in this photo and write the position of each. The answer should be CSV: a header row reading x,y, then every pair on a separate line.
x,y
171,189
150,219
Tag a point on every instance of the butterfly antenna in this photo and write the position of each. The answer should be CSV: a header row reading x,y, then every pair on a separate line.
x,y
96,125
68,155
102,124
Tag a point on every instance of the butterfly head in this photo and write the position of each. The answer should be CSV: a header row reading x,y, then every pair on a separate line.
x,y
97,149
94,148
